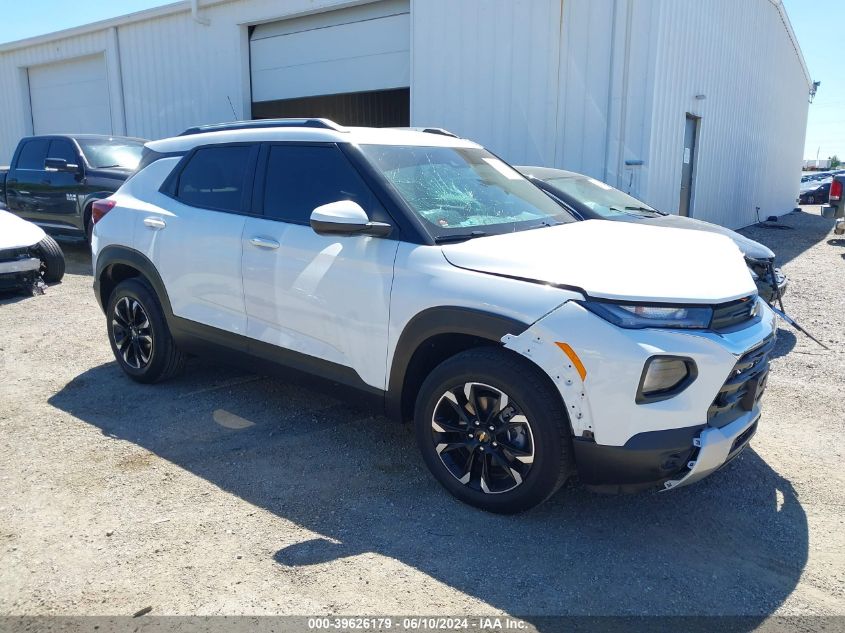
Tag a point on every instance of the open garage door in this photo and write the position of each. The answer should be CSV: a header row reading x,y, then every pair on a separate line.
x,y
352,66
70,96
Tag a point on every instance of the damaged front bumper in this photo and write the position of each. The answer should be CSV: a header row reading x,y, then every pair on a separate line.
x,y
18,273
762,277
671,458
621,445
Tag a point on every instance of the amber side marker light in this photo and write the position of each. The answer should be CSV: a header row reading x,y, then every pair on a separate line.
x,y
576,362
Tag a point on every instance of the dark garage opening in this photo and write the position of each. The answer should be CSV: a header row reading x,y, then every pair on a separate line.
x,y
376,108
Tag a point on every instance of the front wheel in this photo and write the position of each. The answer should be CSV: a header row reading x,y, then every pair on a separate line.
x,y
493,431
138,333
52,260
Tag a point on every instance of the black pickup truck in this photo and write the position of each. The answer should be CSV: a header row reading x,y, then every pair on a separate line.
x,y
53,179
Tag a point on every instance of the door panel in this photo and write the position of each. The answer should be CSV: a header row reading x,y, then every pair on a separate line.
x,y
325,296
688,165
26,183
60,206
198,255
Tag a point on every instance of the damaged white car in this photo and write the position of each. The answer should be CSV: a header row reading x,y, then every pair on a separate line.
x,y
427,274
29,258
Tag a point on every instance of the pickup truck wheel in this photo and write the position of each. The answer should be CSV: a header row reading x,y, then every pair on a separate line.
x,y
52,260
138,333
492,430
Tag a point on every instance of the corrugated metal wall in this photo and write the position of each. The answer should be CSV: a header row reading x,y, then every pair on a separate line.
x,y
174,71
753,119
486,71
581,84
590,85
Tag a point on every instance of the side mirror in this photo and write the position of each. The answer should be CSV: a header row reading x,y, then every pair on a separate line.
x,y
60,164
346,217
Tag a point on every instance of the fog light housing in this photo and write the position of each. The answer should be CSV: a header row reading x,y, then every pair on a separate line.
x,y
665,377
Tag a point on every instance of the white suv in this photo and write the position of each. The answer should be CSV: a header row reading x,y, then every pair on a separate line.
x,y
421,270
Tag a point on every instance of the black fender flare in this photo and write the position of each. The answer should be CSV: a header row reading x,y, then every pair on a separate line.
x,y
435,321
114,254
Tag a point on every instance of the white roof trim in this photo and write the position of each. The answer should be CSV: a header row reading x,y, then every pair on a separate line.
x,y
778,4
183,6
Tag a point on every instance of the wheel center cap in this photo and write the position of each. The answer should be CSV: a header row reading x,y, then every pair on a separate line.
x,y
483,436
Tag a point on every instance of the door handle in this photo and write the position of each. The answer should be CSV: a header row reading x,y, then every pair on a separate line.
x,y
155,223
263,242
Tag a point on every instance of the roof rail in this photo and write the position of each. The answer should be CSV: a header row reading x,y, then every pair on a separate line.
x,y
430,130
264,123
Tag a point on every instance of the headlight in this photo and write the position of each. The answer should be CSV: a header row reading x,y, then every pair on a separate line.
x,y
643,316
665,377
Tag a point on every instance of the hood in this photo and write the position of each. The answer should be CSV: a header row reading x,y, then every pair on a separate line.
x,y
615,260
17,233
749,247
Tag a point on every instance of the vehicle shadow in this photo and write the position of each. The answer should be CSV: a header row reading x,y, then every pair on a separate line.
x,y
811,227
734,544
77,257
785,343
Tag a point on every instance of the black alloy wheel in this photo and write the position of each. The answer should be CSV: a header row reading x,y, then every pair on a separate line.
x,y
493,430
483,438
132,333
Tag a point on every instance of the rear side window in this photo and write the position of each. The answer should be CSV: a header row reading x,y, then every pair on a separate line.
x,y
214,178
33,154
60,148
303,177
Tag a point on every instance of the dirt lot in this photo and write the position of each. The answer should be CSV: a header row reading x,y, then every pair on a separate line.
x,y
227,493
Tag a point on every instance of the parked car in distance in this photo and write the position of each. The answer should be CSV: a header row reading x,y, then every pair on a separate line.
x,y
836,210
427,274
27,254
816,193
592,199
53,180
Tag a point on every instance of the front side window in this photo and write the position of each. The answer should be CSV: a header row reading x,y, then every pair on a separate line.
x,y
214,178
59,148
300,178
102,154
33,154
459,189
601,198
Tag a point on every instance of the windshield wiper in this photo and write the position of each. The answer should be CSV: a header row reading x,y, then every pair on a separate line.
x,y
544,224
458,237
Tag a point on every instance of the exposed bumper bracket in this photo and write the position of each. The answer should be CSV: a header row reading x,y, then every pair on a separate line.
x,y
715,449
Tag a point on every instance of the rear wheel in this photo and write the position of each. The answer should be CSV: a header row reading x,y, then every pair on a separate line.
x,y
493,431
138,333
52,260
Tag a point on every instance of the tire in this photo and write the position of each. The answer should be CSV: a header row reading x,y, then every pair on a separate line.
x,y
530,435
52,260
138,333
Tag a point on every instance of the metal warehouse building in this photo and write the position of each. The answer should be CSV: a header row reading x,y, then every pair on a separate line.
x,y
696,106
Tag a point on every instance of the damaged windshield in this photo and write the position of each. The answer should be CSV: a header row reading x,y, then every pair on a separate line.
x,y
456,189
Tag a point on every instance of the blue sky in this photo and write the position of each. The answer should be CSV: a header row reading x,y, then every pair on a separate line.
x,y
818,24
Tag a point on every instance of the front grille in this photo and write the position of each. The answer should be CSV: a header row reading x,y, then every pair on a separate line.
x,y
733,313
744,386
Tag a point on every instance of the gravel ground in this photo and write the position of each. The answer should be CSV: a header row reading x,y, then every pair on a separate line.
x,y
227,493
